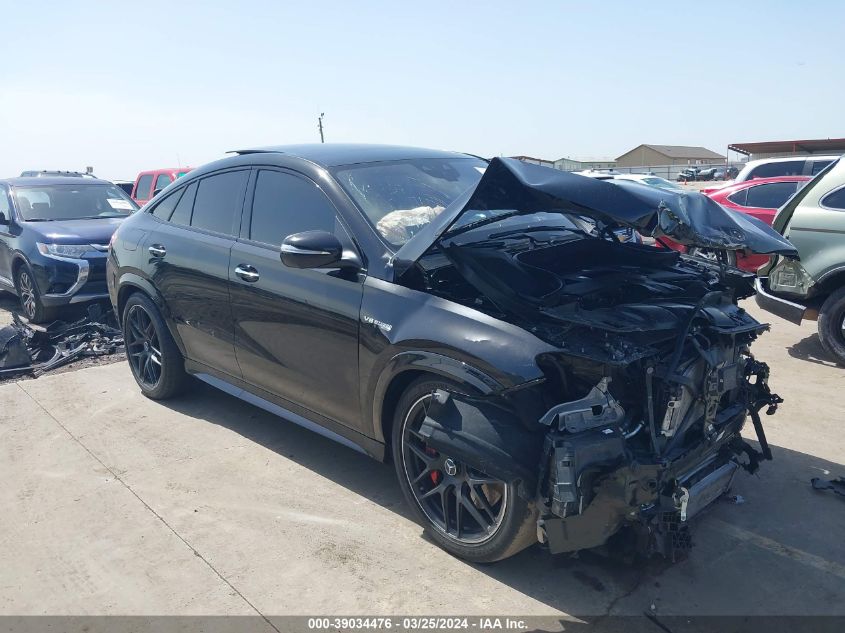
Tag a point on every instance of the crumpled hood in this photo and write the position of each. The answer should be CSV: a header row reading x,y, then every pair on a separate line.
x,y
690,218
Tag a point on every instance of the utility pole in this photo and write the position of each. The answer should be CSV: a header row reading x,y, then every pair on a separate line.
x,y
320,126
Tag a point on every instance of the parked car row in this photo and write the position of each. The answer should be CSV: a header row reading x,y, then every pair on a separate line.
x,y
791,166
693,174
55,228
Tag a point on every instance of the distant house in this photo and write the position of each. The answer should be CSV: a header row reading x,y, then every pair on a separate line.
x,y
535,161
648,155
580,164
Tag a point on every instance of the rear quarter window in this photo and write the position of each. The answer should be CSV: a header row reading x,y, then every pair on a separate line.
x,y
835,200
182,212
164,209
219,201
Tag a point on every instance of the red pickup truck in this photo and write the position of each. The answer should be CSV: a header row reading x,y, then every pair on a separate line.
x,y
149,183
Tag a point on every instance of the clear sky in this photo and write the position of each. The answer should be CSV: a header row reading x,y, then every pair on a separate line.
x,y
128,86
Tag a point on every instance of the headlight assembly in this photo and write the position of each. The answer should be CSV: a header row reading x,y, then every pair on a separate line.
x,y
70,251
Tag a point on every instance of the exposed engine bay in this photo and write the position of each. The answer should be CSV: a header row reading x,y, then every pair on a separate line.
x,y
636,426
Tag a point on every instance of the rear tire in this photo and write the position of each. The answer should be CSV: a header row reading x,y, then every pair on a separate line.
x,y
510,520
156,362
832,325
30,298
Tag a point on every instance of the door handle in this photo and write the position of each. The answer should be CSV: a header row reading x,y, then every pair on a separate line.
x,y
247,272
157,250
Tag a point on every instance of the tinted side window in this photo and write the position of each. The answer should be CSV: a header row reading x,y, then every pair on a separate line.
x,y
739,197
835,199
771,195
218,202
142,190
784,168
284,204
162,181
164,209
182,212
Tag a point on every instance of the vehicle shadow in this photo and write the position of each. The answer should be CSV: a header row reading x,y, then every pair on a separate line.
x,y
810,349
777,507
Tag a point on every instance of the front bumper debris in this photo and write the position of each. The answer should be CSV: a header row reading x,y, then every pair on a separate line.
x,y
581,470
27,349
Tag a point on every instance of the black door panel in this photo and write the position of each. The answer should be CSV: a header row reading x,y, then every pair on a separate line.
x,y
296,332
191,266
192,277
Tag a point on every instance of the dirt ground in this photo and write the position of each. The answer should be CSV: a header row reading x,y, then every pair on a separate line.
x,y
202,505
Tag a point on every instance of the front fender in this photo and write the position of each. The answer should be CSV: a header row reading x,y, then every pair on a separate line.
x,y
471,379
405,330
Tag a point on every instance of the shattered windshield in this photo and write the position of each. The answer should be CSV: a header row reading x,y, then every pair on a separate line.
x,y
401,197
72,202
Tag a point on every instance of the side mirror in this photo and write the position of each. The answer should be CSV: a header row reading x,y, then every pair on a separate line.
x,y
156,192
3,218
311,249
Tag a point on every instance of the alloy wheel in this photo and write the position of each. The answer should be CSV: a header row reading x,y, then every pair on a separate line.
x,y
27,293
142,346
461,502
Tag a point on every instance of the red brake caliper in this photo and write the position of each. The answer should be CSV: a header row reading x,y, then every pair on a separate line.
x,y
435,474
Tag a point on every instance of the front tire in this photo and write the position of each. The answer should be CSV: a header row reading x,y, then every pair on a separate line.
x,y
156,362
832,325
30,298
467,513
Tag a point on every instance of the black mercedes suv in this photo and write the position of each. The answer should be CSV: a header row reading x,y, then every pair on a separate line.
x,y
531,375
54,236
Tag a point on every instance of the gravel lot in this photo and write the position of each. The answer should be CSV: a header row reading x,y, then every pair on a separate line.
x,y
115,504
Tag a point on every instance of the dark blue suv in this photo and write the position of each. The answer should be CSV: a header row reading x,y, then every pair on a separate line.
x,y
54,239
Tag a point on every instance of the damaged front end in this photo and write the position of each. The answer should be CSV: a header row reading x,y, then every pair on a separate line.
x,y
636,426
642,461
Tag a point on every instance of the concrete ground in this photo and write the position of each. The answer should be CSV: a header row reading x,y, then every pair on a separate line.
x,y
115,504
